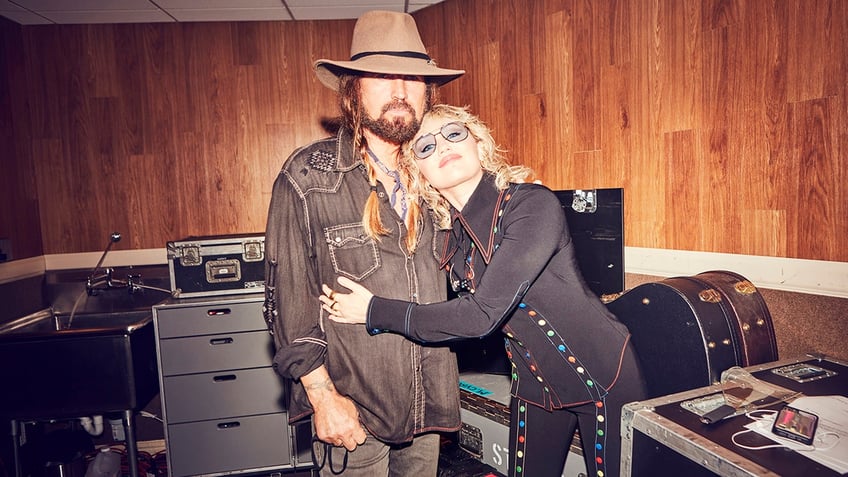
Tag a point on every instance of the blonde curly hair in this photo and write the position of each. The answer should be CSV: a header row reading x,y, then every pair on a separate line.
x,y
492,157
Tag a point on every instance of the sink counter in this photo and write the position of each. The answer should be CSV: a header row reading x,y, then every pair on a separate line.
x,y
73,374
68,354
80,355
49,323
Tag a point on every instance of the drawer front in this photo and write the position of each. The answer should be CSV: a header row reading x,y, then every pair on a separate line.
x,y
195,397
209,319
199,354
229,446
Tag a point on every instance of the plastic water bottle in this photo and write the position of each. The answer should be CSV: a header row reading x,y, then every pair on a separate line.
x,y
105,464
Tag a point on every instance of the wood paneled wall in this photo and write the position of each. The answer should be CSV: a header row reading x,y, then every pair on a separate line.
x,y
724,120
163,131
19,220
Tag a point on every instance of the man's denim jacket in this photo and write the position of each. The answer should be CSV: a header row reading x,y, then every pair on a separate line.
x,y
315,234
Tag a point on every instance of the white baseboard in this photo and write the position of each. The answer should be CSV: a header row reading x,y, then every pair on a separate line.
x,y
22,268
116,258
790,274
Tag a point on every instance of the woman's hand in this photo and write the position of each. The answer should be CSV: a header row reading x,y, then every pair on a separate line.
x,y
350,307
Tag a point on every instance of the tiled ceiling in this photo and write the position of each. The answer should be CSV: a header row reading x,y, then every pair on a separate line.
x,y
39,12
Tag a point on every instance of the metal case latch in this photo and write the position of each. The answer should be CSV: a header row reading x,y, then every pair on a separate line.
x,y
189,255
254,251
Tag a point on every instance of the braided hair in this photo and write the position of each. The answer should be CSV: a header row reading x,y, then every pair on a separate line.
x,y
352,111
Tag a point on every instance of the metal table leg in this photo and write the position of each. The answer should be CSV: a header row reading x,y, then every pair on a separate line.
x,y
16,451
132,445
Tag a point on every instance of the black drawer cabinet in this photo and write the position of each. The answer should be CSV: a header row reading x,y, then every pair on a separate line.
x,y
224,407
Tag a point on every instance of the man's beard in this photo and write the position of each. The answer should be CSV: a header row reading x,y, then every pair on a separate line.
x,y
397,131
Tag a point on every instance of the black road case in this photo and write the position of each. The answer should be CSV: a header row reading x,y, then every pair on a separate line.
x,y
664,437
217,265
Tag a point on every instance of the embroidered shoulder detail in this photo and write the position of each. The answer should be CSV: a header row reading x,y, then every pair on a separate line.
x,y
324,161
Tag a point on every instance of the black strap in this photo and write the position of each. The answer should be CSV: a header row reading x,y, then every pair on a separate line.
x,y
328,451
402,54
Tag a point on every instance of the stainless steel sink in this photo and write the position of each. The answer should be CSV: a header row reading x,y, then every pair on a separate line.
x,y
49,322
100,359
56,366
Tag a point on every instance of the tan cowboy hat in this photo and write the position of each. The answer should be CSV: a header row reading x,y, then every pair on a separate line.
x,y
385,43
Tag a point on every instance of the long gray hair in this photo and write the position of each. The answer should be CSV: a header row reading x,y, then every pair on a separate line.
x,y
351,117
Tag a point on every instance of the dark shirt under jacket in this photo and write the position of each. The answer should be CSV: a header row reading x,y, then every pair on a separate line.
x,y
315,234
512,251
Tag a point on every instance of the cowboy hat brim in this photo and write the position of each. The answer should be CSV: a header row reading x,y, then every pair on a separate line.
x,y
328,71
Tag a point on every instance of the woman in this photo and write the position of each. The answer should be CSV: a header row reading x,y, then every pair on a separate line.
x,y
511,259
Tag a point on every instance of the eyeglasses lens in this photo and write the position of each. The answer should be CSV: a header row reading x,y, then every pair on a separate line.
x,y
425,146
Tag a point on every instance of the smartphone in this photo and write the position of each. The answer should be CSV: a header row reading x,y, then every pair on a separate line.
x,y
795,424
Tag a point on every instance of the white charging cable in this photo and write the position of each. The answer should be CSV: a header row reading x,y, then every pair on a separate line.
x,y
150,415
765,415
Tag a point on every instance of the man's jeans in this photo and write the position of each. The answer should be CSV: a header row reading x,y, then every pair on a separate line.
x,y
376,459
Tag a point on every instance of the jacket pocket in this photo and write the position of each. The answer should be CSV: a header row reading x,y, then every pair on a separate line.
x,y
354,254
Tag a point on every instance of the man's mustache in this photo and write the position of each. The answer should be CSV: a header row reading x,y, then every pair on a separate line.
x,y
398,104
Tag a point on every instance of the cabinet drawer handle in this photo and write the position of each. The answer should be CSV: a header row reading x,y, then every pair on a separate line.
x,y
224,377
218,311
220,341
229,425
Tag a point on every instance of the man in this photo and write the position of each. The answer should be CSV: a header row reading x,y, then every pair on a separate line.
x,y
339,207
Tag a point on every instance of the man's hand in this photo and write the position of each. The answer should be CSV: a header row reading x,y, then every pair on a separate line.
x,y
335,417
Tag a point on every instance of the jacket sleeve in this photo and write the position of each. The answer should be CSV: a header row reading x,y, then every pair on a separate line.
x,y
292,309
532,229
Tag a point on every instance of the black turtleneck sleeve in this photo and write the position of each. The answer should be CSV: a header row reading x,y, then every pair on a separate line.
x,y
526,227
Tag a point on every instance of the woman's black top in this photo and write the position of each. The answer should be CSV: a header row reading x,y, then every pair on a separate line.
x,y
511,258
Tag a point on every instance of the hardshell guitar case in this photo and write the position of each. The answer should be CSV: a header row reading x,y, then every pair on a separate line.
x,y
687,330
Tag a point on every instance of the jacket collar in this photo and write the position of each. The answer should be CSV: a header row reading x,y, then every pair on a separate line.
x,y
478,219
347,157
